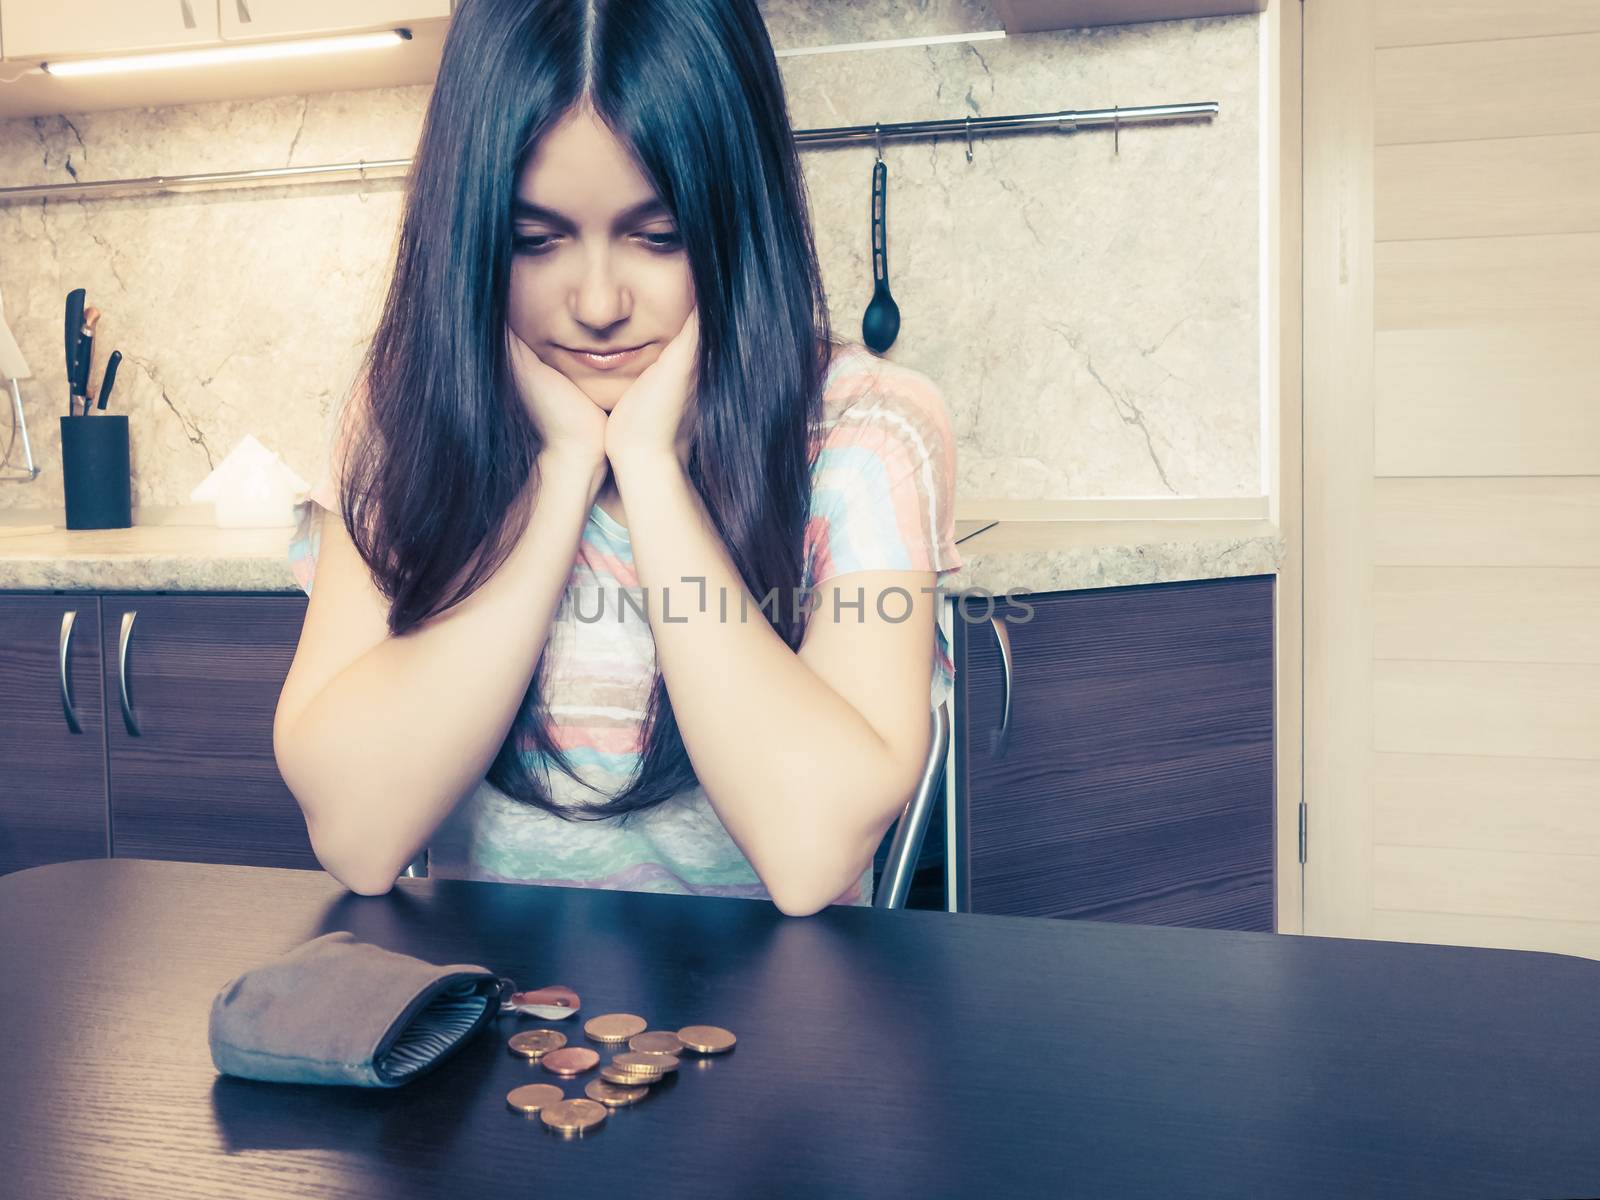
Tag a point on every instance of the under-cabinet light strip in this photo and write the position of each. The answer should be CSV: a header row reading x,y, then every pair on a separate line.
x,y
987,35
214,55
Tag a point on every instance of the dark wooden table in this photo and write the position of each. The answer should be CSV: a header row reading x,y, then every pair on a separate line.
x,y
882,1054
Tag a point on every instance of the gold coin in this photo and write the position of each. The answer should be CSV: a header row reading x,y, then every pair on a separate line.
x,y
645,1061
707,1039
531,1097
535,1043
614,1027
573,1116
626,1078
570,1060
613,1095
657,1041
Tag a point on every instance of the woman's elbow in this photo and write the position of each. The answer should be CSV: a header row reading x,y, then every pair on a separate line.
x,y
359,870
791,906
806,896
363,878
291,769
813,877
372,887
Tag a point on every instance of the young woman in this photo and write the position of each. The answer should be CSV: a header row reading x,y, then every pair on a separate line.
x,y
663,621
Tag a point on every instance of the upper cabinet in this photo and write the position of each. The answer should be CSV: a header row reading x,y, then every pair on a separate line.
x,y
1039,16
37,31
254,20
43,29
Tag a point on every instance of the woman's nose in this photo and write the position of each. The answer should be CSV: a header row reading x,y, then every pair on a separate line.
x,y
602,300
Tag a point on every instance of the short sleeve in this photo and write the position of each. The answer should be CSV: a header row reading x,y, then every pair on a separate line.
x,y
305,543
883,491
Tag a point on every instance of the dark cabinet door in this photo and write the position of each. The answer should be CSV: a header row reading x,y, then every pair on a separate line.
x,y
52,731
192,682
1136,782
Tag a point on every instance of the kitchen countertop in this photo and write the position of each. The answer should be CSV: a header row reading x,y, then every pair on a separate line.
x,y
167,551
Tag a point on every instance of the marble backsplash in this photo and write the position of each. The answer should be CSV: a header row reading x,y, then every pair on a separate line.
x,y
1091,316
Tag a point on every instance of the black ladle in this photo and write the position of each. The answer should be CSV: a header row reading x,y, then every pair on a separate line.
x,y
881,322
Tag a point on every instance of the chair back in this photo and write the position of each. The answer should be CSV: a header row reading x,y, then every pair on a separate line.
x,y
894,881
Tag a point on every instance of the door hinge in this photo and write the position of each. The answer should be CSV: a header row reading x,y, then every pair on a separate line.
x,y
1302,831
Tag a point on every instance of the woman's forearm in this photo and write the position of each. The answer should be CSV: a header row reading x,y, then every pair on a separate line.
x,y
808,823
383,752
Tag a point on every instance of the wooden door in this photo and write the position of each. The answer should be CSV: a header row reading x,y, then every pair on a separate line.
x,y
52,731
192,683
1136,780
1452,471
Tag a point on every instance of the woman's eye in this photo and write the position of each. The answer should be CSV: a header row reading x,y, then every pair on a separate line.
x,y
538,243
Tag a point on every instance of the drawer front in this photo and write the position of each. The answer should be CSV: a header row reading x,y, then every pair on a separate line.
x,y
192,684
1136,782
52,731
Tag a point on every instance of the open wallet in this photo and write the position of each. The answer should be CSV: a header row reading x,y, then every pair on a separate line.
x,y
338,1011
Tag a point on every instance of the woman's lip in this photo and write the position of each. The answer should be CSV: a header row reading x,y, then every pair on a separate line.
x,y
606,362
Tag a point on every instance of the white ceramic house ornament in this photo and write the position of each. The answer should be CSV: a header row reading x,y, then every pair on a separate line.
x,y
252,488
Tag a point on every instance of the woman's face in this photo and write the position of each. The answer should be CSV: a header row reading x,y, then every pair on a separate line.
x,y
598,262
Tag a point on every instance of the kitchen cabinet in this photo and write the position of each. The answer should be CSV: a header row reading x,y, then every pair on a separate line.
x,y
141,726
52,731
43,29
191,684
1039,16
250,20
1121,767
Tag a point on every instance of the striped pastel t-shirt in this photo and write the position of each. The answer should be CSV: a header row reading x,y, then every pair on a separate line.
x,y
882,499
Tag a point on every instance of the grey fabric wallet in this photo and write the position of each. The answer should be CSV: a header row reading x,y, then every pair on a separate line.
x,y
338,1011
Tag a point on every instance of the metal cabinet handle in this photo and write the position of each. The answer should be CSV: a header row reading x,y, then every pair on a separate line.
x,y
244,11
187,13
128,721
998,737
68,618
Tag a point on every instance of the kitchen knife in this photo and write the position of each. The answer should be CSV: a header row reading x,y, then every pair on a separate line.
x,y
74,333
109,378
91,318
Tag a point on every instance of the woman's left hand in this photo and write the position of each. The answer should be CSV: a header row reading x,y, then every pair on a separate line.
x,y
654,419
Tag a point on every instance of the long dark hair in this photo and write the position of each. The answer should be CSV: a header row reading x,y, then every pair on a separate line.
x,y
434,485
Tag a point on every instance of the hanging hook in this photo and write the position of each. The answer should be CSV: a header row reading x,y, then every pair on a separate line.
x,y
969,138
1116,130
877,137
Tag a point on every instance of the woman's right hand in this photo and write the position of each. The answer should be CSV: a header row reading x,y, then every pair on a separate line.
x,y
571,426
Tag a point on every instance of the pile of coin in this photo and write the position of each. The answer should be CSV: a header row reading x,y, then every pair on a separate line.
x,y
650,1057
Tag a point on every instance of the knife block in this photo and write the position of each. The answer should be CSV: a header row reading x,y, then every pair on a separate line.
x,y
95,472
